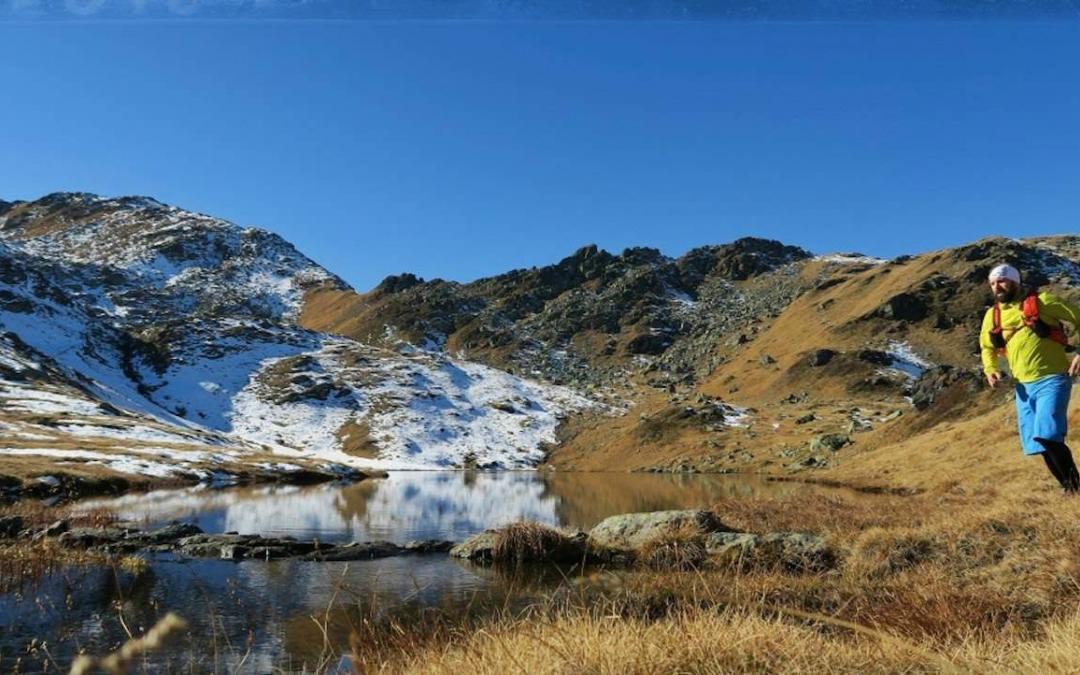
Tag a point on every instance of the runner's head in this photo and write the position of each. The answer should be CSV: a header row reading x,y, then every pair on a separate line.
x,y
1004,283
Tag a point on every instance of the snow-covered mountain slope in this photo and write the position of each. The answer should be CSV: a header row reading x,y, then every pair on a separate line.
x,y
150,340
138,259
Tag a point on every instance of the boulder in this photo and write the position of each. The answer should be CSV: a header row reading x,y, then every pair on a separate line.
x,y
832,442
820,357
790,551
731,545
633,530
904,307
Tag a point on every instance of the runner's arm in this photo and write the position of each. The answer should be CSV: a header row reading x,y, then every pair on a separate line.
x,y
986,348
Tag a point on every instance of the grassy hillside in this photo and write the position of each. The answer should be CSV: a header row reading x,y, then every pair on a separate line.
x,y
821,368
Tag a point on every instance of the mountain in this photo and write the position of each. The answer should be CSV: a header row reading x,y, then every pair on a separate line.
x,y
141,340
149,340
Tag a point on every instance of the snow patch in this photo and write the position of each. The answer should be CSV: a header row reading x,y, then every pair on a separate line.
x,y
850,259
905,360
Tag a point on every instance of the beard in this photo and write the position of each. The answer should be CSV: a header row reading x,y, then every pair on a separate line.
x,y
1007,295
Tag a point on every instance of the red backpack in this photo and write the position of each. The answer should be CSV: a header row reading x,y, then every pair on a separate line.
x,y
1030,307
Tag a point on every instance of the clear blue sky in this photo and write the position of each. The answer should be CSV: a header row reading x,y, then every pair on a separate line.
x,y
464,149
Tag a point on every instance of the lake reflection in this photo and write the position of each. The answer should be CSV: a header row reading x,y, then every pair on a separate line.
x,y
263,616
437,505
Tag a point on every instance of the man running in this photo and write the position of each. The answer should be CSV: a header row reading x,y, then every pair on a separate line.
x,y
1025,327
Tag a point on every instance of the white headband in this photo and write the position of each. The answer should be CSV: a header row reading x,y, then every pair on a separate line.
x,y
1005,272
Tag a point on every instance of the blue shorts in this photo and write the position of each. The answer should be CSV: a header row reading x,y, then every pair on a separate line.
x,y
1042,411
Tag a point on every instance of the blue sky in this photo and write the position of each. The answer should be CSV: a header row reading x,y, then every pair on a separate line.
x,y
464,149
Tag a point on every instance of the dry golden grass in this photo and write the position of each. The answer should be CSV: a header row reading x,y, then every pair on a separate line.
x,y
529,541
36,514
22,561
680,549
928,583
727,640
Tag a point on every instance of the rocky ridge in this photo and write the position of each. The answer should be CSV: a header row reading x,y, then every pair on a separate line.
x,y
591,320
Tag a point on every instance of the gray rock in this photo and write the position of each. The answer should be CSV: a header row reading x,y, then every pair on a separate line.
x,y
730,544
167,534
240,546
429,546
790,551
368,550
820,357
633,530
86,537
832,442
799,551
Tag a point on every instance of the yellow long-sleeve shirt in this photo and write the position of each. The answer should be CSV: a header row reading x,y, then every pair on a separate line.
x,y
1030,357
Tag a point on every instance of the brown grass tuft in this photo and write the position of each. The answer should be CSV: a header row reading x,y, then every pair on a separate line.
x,y
679,549
529,541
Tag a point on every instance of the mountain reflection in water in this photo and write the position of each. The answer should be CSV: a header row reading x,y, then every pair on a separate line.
x,y
437,505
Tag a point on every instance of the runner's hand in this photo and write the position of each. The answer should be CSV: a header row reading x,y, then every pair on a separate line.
x,y
994,378
1074,367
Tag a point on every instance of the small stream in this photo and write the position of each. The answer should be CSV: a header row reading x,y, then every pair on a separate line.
x,y
256,616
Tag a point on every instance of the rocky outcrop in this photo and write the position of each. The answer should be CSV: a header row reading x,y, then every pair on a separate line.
x,y
634,530
687,539
935,381
585,319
